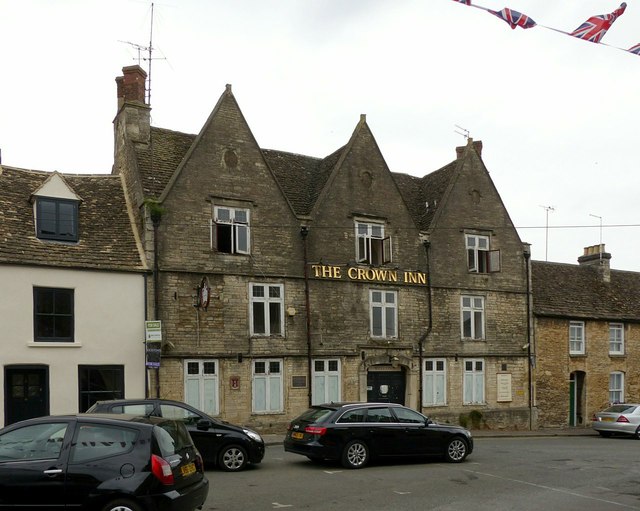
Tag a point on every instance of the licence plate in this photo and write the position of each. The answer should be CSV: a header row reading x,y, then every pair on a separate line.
x,y
296,435
188,469
607,419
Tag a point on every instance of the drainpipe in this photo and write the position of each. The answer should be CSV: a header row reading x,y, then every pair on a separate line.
x,y
527,259
304,231
423,337
155,218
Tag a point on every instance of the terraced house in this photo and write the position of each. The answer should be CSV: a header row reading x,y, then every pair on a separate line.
x,y
587,323
73,293
283,280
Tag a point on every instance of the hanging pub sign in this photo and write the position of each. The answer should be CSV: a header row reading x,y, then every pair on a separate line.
x,y
204,294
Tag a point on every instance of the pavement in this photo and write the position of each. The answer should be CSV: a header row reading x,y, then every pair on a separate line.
x,y
276,439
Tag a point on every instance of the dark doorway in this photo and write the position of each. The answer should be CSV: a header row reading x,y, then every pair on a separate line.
x,y
386,385
26,392
99,382
577,398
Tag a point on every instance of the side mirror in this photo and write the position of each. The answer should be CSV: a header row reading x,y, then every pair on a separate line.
x,y
204,424
428,421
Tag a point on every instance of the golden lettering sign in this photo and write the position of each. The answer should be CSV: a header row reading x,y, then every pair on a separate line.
x,y
366,274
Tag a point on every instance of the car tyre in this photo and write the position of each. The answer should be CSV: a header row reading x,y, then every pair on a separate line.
x,y
457,450
637,433
122,505
607,434
355,454
232,458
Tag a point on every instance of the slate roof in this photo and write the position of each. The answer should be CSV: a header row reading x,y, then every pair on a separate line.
x,y
163,155
106,238
420,191
579,291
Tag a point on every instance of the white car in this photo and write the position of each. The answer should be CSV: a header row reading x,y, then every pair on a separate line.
x,y
622,419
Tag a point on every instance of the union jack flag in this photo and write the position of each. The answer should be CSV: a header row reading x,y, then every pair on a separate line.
x,y
596,27
514,18
635,49
465,2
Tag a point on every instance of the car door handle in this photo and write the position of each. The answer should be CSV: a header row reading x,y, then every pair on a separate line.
x,y
53,471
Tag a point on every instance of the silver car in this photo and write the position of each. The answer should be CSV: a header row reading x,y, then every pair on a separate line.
x,y
623,419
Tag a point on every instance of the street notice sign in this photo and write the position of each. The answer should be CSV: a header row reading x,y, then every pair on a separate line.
x,y
153,331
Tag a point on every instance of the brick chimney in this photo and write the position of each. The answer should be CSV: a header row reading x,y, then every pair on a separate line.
x,y
596,256
477,145
132,85
134,115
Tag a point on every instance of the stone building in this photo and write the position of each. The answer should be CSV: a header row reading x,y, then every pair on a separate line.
x,y
587,329
283,280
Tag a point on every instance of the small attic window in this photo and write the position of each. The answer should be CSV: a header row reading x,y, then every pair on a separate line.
x,y
57,219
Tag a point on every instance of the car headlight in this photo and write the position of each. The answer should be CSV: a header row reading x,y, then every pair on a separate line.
x,y
253,435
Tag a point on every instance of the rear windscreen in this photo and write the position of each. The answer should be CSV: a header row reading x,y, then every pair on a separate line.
x,y
172,437
315,414
620,409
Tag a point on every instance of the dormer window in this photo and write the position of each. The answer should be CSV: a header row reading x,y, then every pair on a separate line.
x,y
57,219
372,246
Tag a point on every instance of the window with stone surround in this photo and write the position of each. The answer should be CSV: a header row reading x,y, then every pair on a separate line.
x,y
616,387
230,230
616,339
326,377
267,309
480,259
383,314
435,382
201,385
473,384
472,317
576,338
372,247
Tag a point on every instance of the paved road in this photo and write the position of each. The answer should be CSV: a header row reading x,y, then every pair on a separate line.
x,y
585,473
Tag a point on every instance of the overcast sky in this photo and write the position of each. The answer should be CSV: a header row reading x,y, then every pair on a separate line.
x,y
558,116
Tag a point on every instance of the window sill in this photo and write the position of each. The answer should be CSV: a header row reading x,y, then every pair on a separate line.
x,y
47,344
577,354
617,355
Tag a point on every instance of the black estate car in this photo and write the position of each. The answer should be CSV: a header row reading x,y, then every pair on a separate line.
x,y
354,433
220,443
100,463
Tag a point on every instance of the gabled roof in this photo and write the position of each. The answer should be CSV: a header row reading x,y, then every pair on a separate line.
x,y
302,178
579,291
106,237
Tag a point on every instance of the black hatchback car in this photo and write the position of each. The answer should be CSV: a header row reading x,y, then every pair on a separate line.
x,y
100,463
220,443
354,433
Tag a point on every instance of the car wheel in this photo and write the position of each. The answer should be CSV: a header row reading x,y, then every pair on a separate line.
x,y
122,505
232,458
355,454
637,434
606,434
456,450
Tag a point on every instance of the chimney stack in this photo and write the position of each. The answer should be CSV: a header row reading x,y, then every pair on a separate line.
x,y
596,256
134,115
132,85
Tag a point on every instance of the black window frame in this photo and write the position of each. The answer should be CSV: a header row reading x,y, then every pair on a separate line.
x,y
56,234
56,317
88,396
